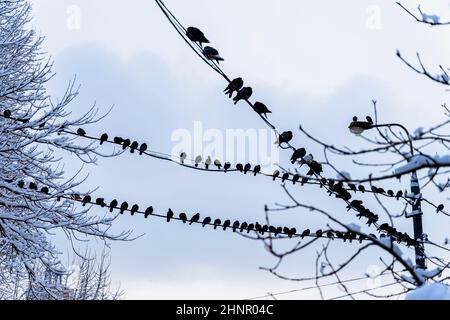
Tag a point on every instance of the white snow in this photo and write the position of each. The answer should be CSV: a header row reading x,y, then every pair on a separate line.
x,y
419,161
430,291
343,174
354,227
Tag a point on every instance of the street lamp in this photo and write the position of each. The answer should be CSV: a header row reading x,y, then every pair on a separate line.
x,y
358,127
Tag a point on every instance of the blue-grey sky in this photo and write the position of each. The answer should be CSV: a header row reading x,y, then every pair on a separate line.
x,y
314,63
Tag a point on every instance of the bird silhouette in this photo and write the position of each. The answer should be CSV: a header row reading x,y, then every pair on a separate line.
x,y
183,157
278,231
304,180
226,224
123,207
305,233
399,194
258,227
319,233
21,184
217,223
439,208
240,167
81,132
314,168
234,85
217,164
195,218
134,146
113,205
148,212
226,166
243,94
256,170
87,199
361,188
264,229
118,140
206,221
196,35
32,186
369,119
198,159
134,209
212,54
169,215
295,178
126,143
250,227
236,225
7,114
285,176
44,190
285,137
352,187
100,202
275,174
261,109
390,193
143,148
272,229
247,168
244,226
183,217
292,232
208,162
103,138
298,154
330,234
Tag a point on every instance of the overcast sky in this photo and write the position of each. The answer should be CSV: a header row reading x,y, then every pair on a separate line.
x,y
314,63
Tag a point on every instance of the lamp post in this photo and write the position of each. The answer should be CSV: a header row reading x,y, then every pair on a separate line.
x,y
358,127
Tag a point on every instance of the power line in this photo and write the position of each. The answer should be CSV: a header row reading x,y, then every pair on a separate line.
x,y
315,287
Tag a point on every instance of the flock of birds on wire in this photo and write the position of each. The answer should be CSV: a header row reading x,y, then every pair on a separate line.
x,y
236,85
299,155
216,223
123,207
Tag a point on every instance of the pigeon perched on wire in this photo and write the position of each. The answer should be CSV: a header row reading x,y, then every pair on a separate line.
x,y
143,148
196,35
134,146
134,209
169,215
206,221
123,207
212,54
183,157
217,223
243,94
183,217
148,212
81,132
298,154
113,205
234,85
195,218
261,109
285,137
103,138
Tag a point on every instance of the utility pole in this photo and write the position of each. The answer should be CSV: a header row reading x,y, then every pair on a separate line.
x,y
416,214
358,127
